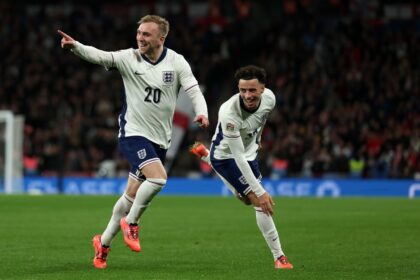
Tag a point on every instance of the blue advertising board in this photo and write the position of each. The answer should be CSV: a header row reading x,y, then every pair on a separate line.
x,y
40,185
214,186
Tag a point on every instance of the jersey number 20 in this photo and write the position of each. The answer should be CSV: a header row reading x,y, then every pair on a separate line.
x,y
153,95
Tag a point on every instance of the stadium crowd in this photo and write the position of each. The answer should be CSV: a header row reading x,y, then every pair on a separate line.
x,y
347,85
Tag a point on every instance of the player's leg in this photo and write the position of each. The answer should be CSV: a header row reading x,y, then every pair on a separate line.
x,y
229,170
244,199
101,243
147,157
121,209
200,150
269,231
155,180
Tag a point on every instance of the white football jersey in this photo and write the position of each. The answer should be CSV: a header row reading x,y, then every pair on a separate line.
x,y
151,89
234,121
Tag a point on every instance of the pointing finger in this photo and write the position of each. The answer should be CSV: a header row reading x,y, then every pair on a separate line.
x,y
64,35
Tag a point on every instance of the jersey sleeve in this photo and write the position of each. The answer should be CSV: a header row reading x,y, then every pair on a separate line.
x,y
190,85
230,125
94,55
198,101
186,77
271,97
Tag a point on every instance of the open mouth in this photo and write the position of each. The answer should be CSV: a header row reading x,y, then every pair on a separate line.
x,y
250,103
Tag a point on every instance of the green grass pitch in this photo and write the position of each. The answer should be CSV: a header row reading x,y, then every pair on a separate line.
x,y
49,237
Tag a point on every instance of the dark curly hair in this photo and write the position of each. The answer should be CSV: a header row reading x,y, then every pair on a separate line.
x,y
250,72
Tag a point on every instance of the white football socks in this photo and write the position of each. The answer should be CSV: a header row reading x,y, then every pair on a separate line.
x,y
121,208
147,190
268,229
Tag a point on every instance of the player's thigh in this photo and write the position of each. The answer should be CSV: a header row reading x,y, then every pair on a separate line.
x,y
230,172
145,157
243,199
154,170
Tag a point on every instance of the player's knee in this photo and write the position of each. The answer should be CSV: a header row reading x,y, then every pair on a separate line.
x,y
158,182
131,195
132,187
245,200
253,199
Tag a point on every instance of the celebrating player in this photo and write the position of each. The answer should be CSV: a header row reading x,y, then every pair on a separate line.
x,y
152,76
234,149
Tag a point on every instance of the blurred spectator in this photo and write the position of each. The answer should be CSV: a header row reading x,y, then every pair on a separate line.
x,y
347,82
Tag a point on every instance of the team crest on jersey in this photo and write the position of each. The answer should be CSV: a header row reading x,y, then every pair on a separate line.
x,y
230,127
168,77
142,153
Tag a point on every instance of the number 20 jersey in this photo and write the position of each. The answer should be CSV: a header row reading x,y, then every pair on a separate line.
x,y
150,92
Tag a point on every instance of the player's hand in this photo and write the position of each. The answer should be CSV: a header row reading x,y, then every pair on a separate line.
x,y
202,121
266,203
67,42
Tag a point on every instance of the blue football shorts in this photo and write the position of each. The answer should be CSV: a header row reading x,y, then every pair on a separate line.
x,y
229,170
139,152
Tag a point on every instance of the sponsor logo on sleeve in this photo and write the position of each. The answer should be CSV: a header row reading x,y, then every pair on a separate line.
x,y
230,127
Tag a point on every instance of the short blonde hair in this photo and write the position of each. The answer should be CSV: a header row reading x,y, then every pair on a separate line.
x,y
162,23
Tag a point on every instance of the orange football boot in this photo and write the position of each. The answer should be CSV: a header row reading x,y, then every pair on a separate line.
x,y
282,263
99,261
199,150
131,235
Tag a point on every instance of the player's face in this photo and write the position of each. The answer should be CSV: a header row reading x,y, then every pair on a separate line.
x,y
251,91
149,38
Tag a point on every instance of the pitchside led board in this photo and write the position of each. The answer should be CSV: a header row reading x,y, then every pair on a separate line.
x,y
215,187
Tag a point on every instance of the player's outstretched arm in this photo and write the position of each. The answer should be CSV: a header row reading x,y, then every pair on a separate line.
x,y
67,42
87,53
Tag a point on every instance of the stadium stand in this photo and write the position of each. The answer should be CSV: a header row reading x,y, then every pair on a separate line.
x,y
346,76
